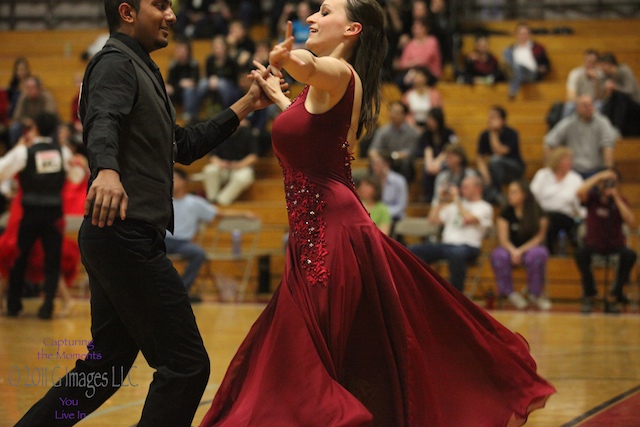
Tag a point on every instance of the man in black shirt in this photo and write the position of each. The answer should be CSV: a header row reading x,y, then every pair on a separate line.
x,y
138,302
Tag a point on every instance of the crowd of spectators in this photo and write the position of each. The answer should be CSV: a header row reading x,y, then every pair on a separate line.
x,y
602,104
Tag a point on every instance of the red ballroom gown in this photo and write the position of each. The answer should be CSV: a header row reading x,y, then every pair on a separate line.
x,y
360,332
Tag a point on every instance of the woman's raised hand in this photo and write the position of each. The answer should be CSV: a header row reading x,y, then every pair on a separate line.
x,y
282,51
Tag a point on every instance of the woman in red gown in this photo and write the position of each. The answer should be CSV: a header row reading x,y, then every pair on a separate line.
x,y
360,332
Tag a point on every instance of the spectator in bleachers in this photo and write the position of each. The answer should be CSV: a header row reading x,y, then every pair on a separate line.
x,y
75,102
587,79
21,70
370,192
526,59
231,166
4,119
33,100
182,79
298,15
248,12
421,50
240,47
432,145
421,97
607,212
202,19
555,188
480,65
521,229
219,81
395,191
466,219
399,139
189,211
394,11
588,134
622,95
261,54
455,170
499,160
258,120
442,29
411,11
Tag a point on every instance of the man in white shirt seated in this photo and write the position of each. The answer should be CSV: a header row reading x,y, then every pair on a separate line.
x,y
466,219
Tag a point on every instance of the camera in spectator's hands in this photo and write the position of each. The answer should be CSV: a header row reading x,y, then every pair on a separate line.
x,y
609,183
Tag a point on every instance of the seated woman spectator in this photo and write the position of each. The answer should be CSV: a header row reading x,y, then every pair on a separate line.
x,y
182,80
433,141
527,60
454,172
499,160
21,70
480,65
220,75
202,19
521,229
370,192
240,46
422,97
555,189
421,50
4,118
298,15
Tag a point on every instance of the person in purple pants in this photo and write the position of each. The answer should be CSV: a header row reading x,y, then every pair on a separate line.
x,y
521,229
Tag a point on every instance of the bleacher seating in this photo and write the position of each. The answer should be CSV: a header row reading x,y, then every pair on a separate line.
x,y
55,57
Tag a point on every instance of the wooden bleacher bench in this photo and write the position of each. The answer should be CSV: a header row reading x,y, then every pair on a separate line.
x,y
55,57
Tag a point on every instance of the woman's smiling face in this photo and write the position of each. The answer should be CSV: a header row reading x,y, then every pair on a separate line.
x,y
327,27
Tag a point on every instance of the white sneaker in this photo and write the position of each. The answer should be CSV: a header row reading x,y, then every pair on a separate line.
x,y
517,300
541,302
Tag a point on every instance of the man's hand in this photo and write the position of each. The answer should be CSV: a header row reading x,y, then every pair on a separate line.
x,y
107,195
273,87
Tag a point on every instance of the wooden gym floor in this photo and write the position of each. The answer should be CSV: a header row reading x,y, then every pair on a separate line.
x,y
593,360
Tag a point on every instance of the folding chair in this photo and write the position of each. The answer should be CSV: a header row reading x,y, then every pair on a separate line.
x,y
418,228
222,246
488,243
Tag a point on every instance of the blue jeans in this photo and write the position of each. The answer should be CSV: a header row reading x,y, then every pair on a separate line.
x,y
520,75
457,257
192,253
